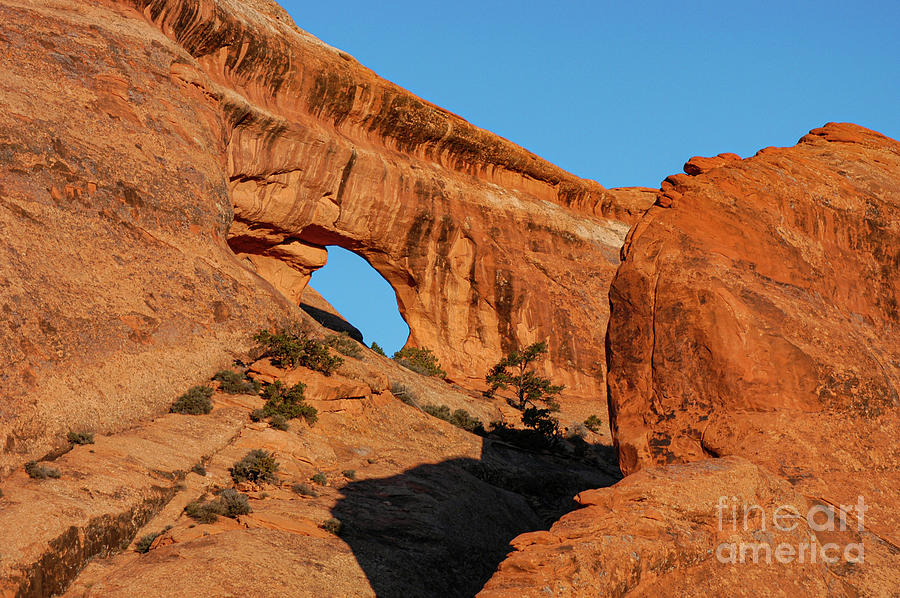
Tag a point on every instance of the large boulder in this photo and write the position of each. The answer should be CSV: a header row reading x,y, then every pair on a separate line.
x,y
756,314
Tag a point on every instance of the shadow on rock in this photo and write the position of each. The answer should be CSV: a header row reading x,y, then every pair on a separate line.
x,y
442,529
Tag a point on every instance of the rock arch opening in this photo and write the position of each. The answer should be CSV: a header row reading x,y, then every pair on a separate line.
x,y
359,293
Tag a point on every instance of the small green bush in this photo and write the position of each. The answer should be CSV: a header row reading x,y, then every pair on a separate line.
x,y
199,469
332,525
256,466
459,418
279,422
304,489
234,383
405,394
377,348
233,503
257,415
320,479
80,437
292,348
438,411
39,471
143,545
203,512
593,423
229,503
350,474
194,402
420,360
344,344
287,402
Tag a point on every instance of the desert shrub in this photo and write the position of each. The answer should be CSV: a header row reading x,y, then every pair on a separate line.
x,y
234,383
459,418
542,421
377,348
576,430
344,344
143,545
350,474
462,419
279,422
229,503
292,348
39,471
320,479
194,402
420,360
257,415
405,394
289,403
438,411
593,423
81,437
256,466
199,469
527,439
332,525
203,512
304,489
233,503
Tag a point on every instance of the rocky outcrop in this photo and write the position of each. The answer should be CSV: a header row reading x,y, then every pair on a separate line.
x,y
757,315
754,334
425,507
681,530
117,287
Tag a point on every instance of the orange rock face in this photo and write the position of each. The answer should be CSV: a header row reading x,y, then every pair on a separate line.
x,y
117,287
133,154
680,530
758,316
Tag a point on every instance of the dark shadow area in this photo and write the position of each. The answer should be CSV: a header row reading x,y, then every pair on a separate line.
x,y
332,321
442,529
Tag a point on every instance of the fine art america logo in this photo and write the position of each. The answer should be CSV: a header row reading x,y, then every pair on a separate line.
x,y
737,516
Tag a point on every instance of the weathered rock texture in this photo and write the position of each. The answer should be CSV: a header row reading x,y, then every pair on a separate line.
x,y
138,136
662,533
116,283
758,316
754,331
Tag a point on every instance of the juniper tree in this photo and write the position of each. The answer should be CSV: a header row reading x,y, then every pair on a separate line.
x,y
532,394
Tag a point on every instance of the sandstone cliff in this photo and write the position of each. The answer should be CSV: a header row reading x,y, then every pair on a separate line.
x,y
138,137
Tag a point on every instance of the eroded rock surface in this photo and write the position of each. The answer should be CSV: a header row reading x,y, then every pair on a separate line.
x,y
758,316
662,532
117,287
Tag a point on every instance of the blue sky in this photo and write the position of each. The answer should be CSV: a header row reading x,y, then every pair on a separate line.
x,y
623,94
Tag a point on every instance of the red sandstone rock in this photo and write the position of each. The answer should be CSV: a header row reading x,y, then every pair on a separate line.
x,y
661,532
758,316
